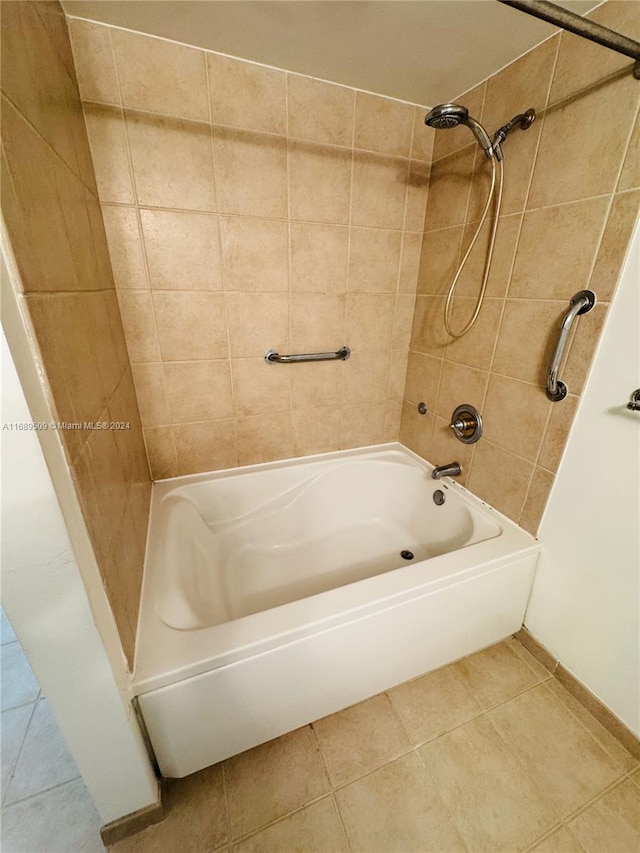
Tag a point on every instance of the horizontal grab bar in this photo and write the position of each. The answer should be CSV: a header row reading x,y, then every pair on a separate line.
x,y
272,357
581,303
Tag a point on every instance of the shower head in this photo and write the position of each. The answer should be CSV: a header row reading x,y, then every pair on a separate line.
x,y
445,116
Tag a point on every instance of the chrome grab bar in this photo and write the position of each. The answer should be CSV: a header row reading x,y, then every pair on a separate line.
x,y
581,303
272,357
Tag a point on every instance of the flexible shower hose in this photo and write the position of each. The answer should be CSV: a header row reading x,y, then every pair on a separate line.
x,y
448,308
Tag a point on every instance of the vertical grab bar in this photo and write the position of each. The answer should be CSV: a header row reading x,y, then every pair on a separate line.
x,y
581,303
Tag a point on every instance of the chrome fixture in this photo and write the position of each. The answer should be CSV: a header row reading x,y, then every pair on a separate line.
x,y
422,408
438,497
466,423
634,401
272,357
581,303
453,469
445,116
590,30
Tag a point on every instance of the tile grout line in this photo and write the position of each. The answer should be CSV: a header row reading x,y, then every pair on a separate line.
x,y
5,793
331,786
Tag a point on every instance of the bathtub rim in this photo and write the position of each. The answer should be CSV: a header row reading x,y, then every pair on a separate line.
x,y
254,636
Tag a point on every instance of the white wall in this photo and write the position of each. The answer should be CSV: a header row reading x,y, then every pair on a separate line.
x,y
81,669
586,597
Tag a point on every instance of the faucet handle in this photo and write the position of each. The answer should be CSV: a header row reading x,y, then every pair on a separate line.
x,y
466,422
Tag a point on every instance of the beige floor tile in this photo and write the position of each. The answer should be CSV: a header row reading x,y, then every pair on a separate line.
x,y
395,808
433,704
272,780
557,751
13,727
495,675
58,821
45,760
19,685
636,777
360,739
316,829
558,842
518,649
494,805
196,818
612,824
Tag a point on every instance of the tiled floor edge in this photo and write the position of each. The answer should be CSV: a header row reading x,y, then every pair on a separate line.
x,y
133,823
577,689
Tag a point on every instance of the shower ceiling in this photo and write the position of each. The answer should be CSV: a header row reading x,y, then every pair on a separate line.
x,y
425,51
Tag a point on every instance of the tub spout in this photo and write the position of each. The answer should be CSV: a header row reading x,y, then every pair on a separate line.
x,y
453,469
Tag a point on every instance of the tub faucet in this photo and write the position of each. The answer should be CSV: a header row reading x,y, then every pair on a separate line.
x,y
453,469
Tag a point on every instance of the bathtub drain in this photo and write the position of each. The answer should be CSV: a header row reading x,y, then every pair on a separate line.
x,y
406,555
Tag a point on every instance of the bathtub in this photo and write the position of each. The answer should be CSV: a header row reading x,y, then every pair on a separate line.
x,y
276,594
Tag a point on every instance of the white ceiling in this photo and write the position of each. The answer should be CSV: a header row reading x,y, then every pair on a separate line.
x,y
423,51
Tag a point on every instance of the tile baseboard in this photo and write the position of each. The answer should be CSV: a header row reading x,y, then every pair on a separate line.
x,y
584,696
133,823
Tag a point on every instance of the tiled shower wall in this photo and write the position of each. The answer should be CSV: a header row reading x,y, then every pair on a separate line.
x,y
570,202
51,210
249,209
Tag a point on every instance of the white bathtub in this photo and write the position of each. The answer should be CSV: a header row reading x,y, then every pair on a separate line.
x,y
276,594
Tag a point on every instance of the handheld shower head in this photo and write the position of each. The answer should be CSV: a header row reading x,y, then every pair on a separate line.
x,y
445,116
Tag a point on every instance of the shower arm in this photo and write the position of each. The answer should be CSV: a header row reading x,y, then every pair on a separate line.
x,y
580,26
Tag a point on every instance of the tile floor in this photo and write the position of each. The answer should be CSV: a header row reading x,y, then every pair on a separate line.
x,y
489,754
45,805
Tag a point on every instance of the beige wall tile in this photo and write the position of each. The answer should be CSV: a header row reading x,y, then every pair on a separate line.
x,y
416,430
259,388
316,322
392,420
460,384
161,76
319,183
557,432
94,61
319,384
417,192
205,446
315,430
138,321
366,377
446,448
445,142
612,823
374,260
254,254
500,478
506,812
397,374
191,325
515,415
161,451
315,829
410,263
263,438
369,321
362,425
125,247
383,125
423,379
109,152
320,111
449,186
257,322
319,255
560,755
423,136
246,95
570,235
428,334
630,175
535,322
504,250
164,177
198,390
439,260
433,704
582,349
251,171
403,321
379,190
151,395
182,250
272,780
395,808
476,347
602,122
615,241
539,491
359,739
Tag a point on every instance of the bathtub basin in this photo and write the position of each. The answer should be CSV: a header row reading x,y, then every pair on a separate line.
x,y
276,594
